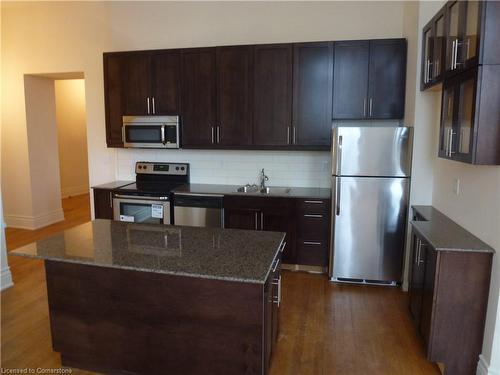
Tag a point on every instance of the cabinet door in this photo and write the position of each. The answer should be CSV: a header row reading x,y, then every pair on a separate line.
x,y
438,47
103,204
387,78
268,322
113,65
234,92
429,256
470,33
137,84
242,218
277,218
272,97
465,116
312,93
447,127
453,23
199,103
350,80
166,83
427,54
417,273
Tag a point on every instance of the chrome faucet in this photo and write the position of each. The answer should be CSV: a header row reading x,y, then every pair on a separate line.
x,y
263,179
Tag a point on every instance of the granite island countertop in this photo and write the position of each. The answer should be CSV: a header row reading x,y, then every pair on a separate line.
x,y
216,189
443,234
223,254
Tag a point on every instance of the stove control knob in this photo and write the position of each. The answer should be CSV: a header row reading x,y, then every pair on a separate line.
x,y
182,168
176,168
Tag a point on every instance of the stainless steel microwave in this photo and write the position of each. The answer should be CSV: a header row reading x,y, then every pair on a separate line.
x,y
150,131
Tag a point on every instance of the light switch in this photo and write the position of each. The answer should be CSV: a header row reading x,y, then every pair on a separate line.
x,y
456,186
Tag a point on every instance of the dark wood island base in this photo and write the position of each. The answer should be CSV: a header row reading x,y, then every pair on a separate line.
x,y
120,321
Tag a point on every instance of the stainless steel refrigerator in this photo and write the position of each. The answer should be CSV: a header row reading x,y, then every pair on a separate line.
x,y
370,188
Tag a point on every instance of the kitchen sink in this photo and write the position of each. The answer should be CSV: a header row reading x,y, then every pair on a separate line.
x,y
270,190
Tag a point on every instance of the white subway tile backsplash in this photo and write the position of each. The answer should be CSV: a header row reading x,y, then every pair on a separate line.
x,y
284,168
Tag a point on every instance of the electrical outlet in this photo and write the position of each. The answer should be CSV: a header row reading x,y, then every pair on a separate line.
x,y
456,186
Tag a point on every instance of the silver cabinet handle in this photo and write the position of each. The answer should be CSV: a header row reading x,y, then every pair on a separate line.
x,y
313,215
153,103
417,252
312,243
147,101
294,135
111,199
419,260
426,71
287,135
450,148
276,264
314,202
218,134
364,107
371,106
337,196
256,221
212,134
282,248
261,220
453,55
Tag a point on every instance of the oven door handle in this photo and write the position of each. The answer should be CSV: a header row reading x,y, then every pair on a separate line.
x,y
141,198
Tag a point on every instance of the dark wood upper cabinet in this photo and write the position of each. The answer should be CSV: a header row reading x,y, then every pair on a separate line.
x,y
234,95
460,36
113,65
272,94
470,116
199,98
350,79
151,83
312,93
166,82
136,89
387,78
369,79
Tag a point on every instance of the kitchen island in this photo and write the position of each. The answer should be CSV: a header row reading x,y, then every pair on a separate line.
x,y
129,298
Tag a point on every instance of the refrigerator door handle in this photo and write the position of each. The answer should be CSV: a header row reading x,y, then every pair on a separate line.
x,y
339,156
337,196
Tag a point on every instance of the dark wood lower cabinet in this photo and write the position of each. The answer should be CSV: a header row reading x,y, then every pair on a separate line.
x,y
306,223
103,203
448,300
119,321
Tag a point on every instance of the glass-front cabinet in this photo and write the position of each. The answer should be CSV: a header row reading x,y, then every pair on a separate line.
x,y
458,117
433,50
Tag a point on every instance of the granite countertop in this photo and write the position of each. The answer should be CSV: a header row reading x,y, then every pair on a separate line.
x,y
223,254
113,185
295,192
443,234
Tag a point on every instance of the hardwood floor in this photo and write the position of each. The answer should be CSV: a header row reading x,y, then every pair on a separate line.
x,y
325,328
76,211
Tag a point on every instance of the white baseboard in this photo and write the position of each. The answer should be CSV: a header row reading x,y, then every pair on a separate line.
x,y
34,222
483,368
74,190
6,278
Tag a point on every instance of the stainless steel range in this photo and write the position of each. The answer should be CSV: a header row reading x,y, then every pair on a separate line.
x,y
149,199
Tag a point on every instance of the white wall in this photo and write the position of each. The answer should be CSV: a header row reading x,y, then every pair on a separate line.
x,y
72,136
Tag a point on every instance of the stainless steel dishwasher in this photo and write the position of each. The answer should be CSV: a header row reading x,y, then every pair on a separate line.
x,y
198,210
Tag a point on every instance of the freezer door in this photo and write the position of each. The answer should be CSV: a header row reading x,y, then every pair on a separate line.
x,y
369,224
372,151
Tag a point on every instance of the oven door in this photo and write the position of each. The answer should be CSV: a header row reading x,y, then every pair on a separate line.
x,y
147,136
135,209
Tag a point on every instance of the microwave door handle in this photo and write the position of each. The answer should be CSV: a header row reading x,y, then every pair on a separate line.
x,y
163,134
